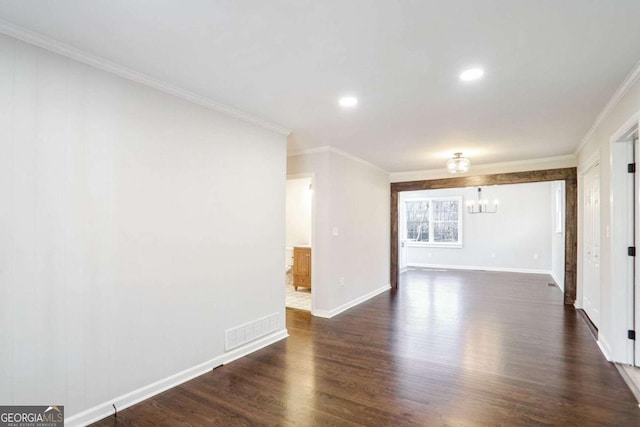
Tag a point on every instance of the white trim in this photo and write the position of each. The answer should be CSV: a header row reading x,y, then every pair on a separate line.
x,y
592,162
104,410
442,245
555,279
558,209
604,347
622,90
630,126
329,148
344,307
474,267
230,335
253,346
299,176
315,150
567,160
622,369
621,207
357,159
127,73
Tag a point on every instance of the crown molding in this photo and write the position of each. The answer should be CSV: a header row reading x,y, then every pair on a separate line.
x,y
328,148
622,90
567,160
563,158
68,51
313,150
357,159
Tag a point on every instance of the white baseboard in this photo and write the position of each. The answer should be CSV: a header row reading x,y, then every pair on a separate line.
x,y
633,386
555,279
605,348
321,313
106,409
256,345
344,307
469,267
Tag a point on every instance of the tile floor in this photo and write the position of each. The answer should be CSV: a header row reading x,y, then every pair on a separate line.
x,y
300,299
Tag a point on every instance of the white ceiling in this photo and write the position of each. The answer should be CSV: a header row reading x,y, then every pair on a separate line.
x,y
550,66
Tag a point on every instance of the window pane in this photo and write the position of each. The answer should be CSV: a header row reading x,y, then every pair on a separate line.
x,y
418,232
418,220
445,210
412,230
445,232
418,210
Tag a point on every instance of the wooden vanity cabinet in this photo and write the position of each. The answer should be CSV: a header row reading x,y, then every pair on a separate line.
x,y
301,267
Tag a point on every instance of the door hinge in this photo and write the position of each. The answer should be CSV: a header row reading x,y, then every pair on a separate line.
x,y
631,335
631,167
631,251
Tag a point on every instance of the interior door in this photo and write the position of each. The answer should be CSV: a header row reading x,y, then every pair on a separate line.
x,y
591,238
635,188
402,233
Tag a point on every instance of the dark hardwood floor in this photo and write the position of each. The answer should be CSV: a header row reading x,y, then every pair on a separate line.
x,y
449,348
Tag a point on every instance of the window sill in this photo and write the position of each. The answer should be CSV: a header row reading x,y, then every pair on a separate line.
x,y
434,245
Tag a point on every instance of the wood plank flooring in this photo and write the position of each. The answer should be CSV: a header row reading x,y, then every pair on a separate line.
x,y
448,348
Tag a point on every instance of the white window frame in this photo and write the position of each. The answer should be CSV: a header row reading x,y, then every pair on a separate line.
x,y
559,209
413,243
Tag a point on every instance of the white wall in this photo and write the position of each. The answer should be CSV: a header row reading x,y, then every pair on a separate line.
x,y
557,235
125,231
352,198
516,238
614,310
298,212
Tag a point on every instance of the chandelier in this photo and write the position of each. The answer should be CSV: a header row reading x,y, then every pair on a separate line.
x,y
458,164
482,205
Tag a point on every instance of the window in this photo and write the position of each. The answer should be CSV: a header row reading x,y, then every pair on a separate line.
x,y
559,204
435,221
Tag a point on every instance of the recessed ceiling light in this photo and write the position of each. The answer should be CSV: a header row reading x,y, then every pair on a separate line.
x,y
471,74
348,101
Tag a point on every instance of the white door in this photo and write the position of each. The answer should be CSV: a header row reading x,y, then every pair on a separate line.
x,y
403,255
635,226
591,238
402,237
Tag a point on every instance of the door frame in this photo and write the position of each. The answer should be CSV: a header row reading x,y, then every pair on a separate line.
x,y
314,282
568,175
625,295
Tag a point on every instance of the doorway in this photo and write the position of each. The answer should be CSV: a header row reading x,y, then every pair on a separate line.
x,y
517,228
298,242
567,175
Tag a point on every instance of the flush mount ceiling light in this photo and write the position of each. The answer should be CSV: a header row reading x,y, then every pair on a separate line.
x,y
471,74
348,101
458,164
